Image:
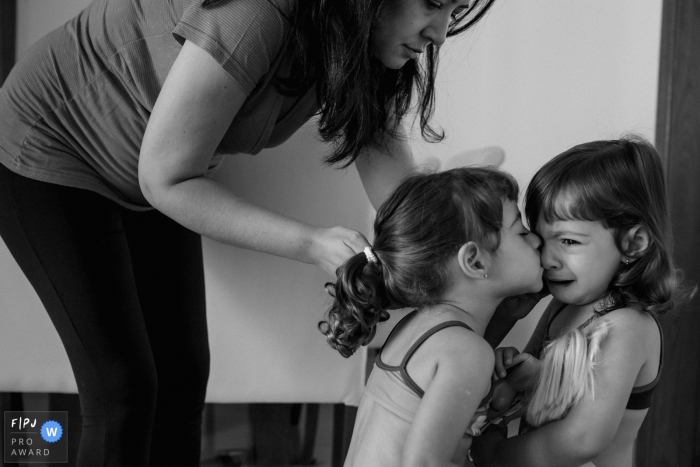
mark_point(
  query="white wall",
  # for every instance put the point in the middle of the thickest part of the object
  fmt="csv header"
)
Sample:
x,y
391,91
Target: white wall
x,y
534,78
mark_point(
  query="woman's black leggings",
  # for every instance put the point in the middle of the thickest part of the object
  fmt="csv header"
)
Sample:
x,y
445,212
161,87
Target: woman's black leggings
x,y
125,291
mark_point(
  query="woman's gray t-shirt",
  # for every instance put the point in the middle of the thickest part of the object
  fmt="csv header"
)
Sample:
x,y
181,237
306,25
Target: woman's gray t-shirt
x,y
74,110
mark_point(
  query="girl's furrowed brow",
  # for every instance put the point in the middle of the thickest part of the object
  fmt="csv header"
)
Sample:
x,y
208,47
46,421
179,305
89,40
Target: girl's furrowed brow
x,y
559,233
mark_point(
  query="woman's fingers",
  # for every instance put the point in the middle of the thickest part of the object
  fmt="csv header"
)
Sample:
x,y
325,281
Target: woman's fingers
x,y
355,240
336,245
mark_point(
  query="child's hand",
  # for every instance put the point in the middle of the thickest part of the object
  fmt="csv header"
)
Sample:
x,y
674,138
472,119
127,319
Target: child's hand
x,y
502,398
504,360
514,372
522,371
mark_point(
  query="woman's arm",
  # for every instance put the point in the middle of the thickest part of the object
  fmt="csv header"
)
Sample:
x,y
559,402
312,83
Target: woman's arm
x,y
384,165
591,425
451,398
193,112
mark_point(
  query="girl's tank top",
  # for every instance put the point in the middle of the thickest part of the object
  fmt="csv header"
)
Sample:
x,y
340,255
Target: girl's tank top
x,y
388,408
641,396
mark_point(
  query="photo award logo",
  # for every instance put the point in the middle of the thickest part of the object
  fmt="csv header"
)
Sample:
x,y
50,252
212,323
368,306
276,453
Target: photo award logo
x,y
33,437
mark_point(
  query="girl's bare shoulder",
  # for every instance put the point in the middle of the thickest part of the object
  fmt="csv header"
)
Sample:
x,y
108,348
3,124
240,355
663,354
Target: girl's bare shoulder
x,y
633,329
631,319
461,346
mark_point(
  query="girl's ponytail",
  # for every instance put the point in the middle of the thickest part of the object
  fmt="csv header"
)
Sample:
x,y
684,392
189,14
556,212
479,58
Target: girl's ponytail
x,y
359,304
567,375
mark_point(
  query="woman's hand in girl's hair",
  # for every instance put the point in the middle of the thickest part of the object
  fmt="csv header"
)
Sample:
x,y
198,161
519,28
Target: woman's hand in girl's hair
x,y
332,247
195,108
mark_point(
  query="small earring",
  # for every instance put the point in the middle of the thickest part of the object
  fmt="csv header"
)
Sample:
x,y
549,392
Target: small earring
x,y
627,262
486,276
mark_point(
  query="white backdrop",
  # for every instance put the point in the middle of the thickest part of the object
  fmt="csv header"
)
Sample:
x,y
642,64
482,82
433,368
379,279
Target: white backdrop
x,y
533,78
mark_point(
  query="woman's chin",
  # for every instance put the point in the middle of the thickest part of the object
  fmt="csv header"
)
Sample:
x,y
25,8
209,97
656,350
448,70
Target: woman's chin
x,y
394,63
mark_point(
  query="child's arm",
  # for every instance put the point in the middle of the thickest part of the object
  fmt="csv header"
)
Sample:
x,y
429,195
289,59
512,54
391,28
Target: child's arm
x,y
508,313
461,381
515,371
505,355
522,370
591,425
514,367
540,333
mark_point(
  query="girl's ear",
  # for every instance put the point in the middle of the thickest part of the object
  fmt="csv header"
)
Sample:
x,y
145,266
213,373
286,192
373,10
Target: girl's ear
x,y
635,243
472,260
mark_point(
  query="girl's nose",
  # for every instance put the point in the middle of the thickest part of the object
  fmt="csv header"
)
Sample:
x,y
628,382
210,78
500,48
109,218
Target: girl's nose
x,y
548,259
534,241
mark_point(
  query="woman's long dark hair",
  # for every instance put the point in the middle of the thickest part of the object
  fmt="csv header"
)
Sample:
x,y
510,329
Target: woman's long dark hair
x,y
418,229
360,98
620,183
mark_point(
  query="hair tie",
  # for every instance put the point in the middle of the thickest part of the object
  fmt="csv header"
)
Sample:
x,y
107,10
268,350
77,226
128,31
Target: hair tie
x,y
371,257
